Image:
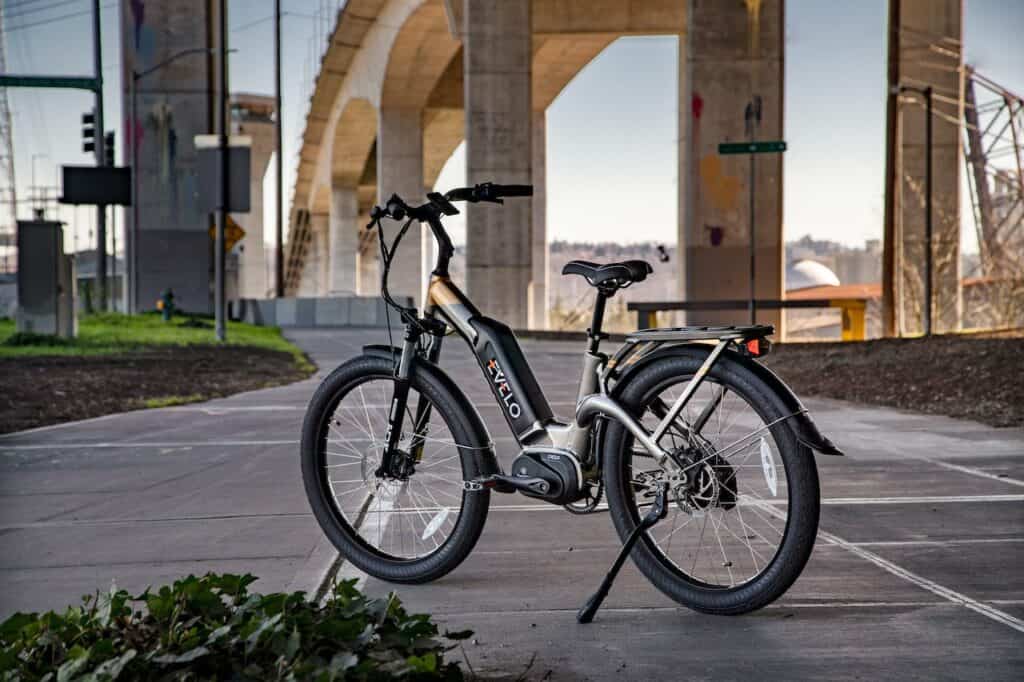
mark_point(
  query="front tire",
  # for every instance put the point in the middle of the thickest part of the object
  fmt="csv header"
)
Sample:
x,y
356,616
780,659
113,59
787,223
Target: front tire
x,y
413,530
740,532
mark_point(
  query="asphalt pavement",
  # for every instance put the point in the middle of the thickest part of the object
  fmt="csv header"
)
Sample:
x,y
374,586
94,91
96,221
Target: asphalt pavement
x,y
916,573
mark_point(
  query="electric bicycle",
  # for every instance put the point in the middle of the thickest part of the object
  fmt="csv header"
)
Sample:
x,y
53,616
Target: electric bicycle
x,y
704,455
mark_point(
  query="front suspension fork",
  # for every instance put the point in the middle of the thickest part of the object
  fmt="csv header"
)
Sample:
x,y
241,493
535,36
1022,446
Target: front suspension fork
x,y
400,401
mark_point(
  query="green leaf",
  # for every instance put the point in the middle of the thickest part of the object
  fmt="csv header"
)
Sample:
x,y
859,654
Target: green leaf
x,y
110,670
186,657
342,662
11,628
72,665
294,643
423,664
218,634
254,638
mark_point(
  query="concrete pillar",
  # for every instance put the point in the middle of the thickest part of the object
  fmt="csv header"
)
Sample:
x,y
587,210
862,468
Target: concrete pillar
x,y
369,264
343,241
314,274
321,241
538,298
400,171
920,23
732,51
498,148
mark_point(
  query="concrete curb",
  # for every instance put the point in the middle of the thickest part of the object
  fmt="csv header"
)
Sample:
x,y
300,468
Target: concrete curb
x,y
315,574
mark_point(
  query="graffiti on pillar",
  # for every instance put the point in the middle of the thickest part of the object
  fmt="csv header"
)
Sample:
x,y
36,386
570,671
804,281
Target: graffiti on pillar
x,y
697,106
715,234
167,148
723,189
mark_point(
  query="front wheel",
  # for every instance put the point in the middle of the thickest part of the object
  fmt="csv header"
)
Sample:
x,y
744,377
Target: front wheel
x,y
743,513
412,527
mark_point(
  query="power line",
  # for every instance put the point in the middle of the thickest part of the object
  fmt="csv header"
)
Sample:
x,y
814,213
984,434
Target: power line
x,y
25,3
34,10
14,29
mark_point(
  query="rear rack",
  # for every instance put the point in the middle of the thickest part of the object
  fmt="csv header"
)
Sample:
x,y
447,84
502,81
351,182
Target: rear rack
x,y
724,333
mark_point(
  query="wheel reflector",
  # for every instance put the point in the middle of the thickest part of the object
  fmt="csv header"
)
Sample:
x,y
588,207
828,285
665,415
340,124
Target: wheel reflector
x,y
768,466
435,523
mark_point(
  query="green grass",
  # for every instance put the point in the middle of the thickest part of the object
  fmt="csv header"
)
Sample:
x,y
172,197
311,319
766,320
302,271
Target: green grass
x,y
172,400
110,333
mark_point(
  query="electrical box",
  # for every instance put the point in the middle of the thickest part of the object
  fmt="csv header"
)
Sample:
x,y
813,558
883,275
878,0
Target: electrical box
x,y
46,280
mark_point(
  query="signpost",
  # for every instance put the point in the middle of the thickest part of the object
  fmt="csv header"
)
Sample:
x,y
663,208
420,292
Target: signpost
x,y
233,233
752,147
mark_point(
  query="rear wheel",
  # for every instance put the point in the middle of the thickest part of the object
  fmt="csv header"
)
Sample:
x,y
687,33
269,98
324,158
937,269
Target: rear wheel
x,y
743,511
410,528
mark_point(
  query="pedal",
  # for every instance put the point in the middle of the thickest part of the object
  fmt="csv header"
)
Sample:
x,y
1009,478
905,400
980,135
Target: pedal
x,y
657,512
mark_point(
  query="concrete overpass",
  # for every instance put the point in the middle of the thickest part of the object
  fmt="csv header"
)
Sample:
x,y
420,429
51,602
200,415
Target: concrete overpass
x,y
403,82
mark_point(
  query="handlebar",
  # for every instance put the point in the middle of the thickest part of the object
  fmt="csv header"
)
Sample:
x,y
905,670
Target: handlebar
x,y
489,191
430,213
397,209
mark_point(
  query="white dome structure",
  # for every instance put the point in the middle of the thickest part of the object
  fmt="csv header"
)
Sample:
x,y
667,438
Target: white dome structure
x,y
806,274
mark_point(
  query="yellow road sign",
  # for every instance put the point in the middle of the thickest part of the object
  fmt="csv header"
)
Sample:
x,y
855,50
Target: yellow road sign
x,y
233,234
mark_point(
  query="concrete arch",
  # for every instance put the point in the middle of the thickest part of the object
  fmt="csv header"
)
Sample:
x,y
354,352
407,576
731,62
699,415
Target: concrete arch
x,y
420,54
354,136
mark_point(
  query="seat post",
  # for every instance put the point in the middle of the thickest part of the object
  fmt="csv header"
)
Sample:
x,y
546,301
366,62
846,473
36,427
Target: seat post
x,y
594,333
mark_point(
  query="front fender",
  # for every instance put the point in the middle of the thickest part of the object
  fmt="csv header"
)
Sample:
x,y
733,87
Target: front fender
x,y
801,423
484,461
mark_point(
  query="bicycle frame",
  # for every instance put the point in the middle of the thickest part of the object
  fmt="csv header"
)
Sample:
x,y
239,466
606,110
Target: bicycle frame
x,y
447,301
520,396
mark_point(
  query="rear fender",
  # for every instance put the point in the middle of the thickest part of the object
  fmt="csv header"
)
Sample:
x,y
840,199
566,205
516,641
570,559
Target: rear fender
x,y
483,460
804,428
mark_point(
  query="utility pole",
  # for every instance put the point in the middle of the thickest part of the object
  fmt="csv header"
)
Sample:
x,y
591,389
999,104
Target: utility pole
x,y
101,210
279,227
225,181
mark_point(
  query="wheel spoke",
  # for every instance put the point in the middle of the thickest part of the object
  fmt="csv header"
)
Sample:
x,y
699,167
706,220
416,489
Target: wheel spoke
x,y
407,518
721,531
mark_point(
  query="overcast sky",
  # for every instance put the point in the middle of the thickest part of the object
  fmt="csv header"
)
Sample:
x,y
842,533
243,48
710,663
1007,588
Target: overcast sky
x,y
611,134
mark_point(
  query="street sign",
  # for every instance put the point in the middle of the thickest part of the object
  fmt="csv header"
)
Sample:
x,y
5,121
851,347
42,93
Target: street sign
x,y
752,147
99,185
233,234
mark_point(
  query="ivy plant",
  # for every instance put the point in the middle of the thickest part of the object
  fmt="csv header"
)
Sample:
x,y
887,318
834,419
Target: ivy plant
x,y
213,628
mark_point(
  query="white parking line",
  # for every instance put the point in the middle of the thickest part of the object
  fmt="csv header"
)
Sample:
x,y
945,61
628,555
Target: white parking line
x,y
940,543
926,499
926,584
974,472
911,577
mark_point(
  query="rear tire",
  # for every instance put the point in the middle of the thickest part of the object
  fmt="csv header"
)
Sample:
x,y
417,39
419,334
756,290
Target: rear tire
x,y
347,531
768,578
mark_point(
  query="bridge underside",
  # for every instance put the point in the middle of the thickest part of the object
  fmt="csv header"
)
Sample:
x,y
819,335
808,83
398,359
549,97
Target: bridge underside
x,y
404,82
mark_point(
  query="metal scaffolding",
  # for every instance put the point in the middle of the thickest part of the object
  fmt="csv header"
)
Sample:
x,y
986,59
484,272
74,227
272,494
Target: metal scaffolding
x,y
994,153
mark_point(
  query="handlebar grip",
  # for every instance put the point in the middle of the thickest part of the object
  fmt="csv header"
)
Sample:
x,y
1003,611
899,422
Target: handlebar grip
x,y
461,194
513,190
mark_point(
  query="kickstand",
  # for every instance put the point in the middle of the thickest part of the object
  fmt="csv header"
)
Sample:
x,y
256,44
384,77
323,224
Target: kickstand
x,y
658,511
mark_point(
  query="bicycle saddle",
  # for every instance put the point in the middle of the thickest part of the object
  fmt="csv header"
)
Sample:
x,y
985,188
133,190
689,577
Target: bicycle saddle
x,y
614,274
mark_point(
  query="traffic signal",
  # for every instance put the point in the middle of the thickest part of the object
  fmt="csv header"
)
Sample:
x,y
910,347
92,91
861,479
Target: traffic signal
x,y
89,132
108,149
